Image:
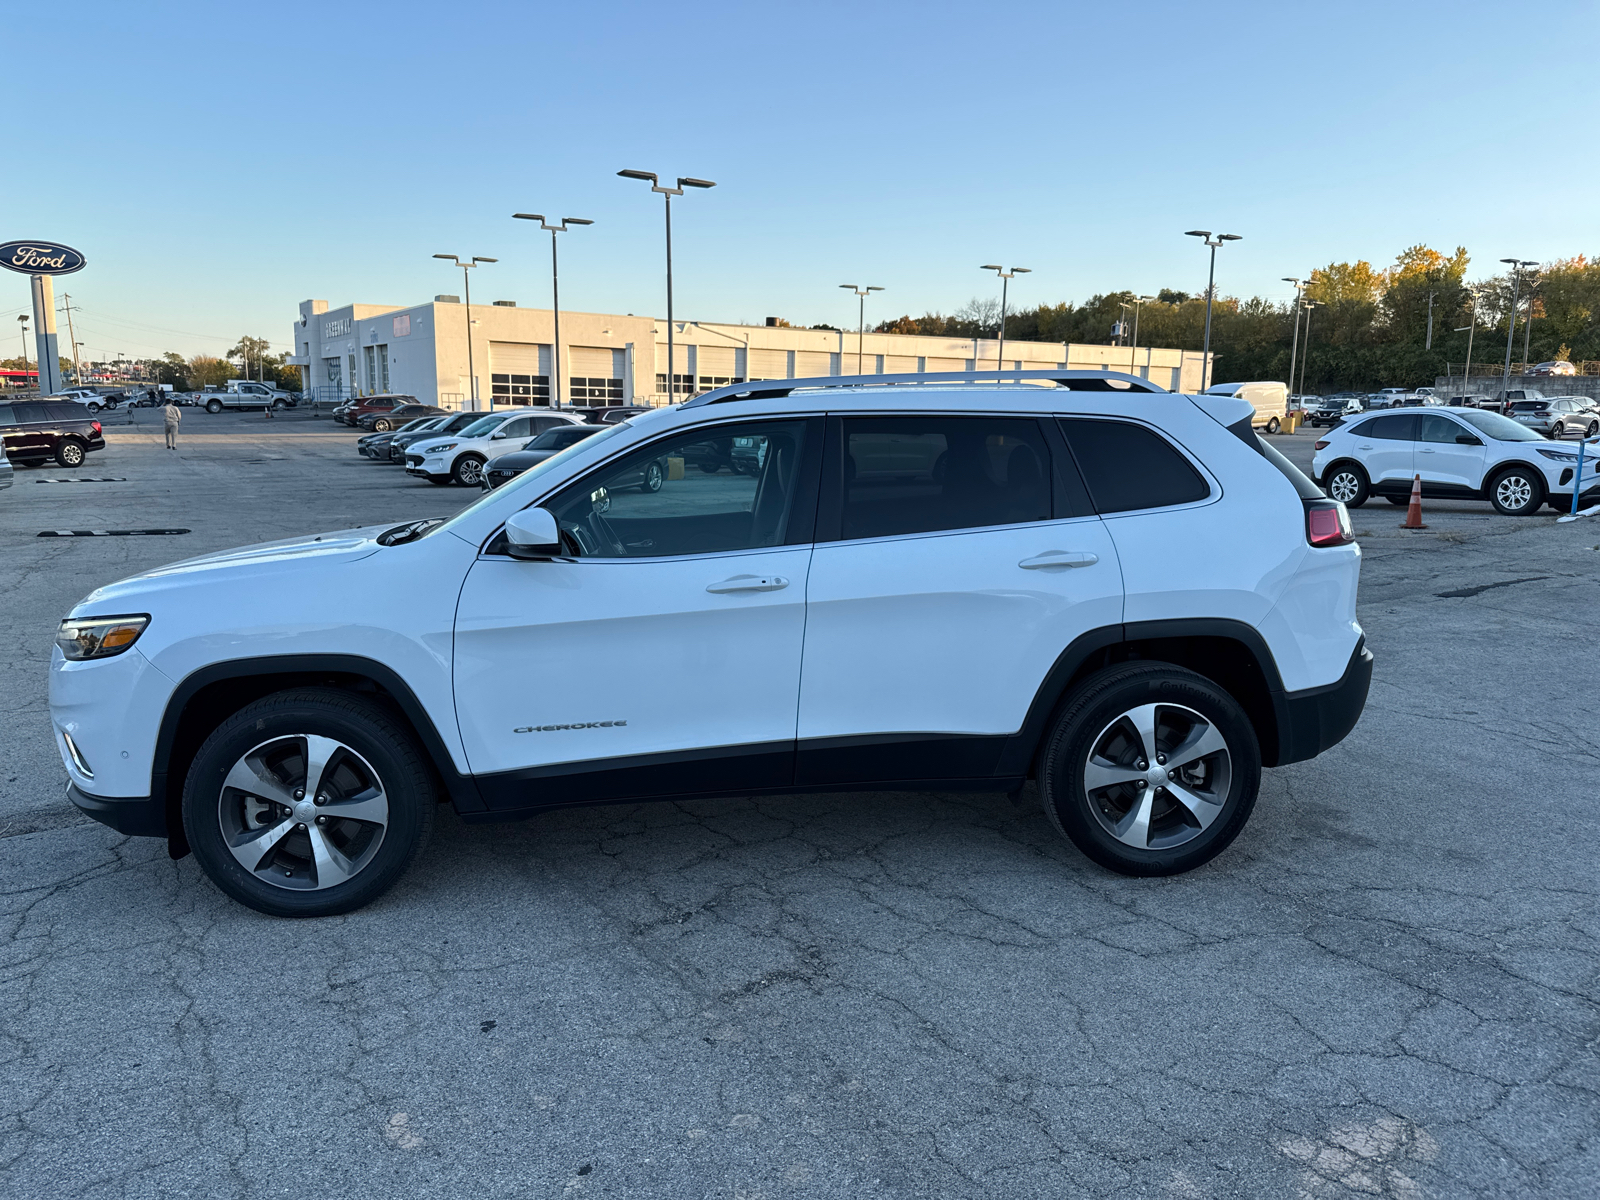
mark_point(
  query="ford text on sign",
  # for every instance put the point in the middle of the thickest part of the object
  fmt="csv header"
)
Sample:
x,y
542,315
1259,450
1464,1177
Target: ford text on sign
x,y
40,258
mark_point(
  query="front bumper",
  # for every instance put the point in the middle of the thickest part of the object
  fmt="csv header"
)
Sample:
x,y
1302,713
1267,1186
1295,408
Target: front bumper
x,y
1318,719
136,816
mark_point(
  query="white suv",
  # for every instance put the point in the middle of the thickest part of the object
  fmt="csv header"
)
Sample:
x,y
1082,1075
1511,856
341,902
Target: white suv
x,y
1459,454
1122,593
459,457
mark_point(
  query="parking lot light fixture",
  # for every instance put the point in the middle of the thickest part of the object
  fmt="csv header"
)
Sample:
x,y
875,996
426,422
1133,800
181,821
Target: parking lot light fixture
x,y
22,327
1211,288
1299,299
555,294
668,193
861,317
1138,303
1469,329
1516,265
466,267
1308,305
1005,280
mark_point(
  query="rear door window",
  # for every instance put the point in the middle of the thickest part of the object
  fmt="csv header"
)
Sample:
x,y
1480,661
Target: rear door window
x,y
1402,427
905,475
1129,467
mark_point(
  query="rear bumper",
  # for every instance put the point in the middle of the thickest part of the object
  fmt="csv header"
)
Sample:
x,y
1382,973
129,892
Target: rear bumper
x,y
1318,719
136,816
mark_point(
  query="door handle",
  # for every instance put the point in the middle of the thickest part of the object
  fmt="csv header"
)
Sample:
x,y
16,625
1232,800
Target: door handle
x,y
1420,451
1059,558
749,583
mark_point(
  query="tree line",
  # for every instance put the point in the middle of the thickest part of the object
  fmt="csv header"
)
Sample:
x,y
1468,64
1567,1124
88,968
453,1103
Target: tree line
x,y
1368,328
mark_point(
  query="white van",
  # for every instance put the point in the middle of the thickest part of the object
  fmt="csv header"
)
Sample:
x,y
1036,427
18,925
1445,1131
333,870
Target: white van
x,y
1270,400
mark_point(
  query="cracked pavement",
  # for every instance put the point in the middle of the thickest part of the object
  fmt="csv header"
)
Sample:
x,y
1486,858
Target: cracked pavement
x,y
1386,987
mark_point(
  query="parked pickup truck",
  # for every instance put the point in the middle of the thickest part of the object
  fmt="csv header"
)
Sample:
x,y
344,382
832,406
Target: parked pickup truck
x,y
247,393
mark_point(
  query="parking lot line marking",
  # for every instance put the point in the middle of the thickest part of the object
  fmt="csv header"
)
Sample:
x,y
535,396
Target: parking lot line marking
x,y
51,533
86,479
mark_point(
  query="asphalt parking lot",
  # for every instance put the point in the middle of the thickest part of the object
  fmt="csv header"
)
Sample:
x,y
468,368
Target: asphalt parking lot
x,y
1387,987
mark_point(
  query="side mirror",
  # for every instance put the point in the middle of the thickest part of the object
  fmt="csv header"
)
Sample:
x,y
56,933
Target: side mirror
x,y
1467,439
533,533
497,435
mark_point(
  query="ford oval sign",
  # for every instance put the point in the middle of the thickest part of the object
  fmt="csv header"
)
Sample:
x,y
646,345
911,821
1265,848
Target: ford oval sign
x,y
34,257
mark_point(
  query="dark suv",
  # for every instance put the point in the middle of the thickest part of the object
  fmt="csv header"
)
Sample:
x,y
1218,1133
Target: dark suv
x,y
35,430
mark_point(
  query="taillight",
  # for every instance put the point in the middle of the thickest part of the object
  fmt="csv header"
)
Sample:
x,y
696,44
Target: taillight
x,y
96,425
1320,445
1328,523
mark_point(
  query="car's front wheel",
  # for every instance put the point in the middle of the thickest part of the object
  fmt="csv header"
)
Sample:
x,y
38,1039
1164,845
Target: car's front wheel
x,y
381,426
308,803
1150,769
653,476
70,452
468,470
1347,483
1516,492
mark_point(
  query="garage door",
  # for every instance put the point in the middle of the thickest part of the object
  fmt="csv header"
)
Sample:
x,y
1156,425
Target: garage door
x,y
519,373
769,364
597,373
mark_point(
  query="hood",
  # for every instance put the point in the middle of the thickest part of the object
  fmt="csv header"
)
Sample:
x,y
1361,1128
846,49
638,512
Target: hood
x,y
265,559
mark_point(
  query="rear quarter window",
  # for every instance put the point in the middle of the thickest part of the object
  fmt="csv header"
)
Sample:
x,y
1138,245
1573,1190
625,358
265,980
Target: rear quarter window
x,y
1128,467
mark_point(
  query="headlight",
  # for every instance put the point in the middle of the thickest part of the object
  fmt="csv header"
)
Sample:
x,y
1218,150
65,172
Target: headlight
x,y
440,448
1559,455
99,637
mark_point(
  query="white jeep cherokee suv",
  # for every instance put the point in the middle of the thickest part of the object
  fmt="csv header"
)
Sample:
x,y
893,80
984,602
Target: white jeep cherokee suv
x,y
1459,454
1122,593
459,457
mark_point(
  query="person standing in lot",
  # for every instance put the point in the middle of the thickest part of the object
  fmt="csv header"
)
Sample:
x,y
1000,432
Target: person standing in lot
x,y
173,416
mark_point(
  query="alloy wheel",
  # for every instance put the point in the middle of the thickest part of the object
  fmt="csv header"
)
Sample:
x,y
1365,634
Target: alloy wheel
x,y
1514,492
470,472
1344,486
303,812
1158,776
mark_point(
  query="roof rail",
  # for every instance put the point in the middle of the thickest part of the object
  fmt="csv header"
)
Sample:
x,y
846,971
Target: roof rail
x,y
1076,381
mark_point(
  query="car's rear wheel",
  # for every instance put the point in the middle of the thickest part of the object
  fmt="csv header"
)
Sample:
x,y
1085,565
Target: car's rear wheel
x,y
468,470
1557,430
1347,483
1399,501
1273,426
70,452
653,477
1150,769
214,407
308,803
1516,492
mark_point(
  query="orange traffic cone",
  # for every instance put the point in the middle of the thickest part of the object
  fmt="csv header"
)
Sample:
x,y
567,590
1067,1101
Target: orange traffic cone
x,y
1414,513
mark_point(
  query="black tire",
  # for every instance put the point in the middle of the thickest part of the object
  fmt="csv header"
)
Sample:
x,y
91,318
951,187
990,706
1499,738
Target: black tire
x,y
93,407
1516,492
378,741
380,426
1593,430
441,480
1089,718
654,476
1355,484
1557,430
710,468
1399,501
1273,426
279,405
71,452
213,407
467,470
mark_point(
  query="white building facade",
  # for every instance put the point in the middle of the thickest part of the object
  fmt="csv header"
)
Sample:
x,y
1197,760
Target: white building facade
x,y
500,354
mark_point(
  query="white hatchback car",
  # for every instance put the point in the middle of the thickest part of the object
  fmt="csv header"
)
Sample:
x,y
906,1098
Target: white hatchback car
x,y
459,457
1459,454
1122,593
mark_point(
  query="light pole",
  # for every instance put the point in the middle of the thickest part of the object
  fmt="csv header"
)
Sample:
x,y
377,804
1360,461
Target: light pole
x,y
1308,305
1472,325
653,180
22,328
466,279
1511,328
555,288
1299,300
1005,282
1211,280
861,317
1138,303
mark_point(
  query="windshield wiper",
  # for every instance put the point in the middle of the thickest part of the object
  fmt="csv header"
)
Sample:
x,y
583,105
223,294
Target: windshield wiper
x,y
409,532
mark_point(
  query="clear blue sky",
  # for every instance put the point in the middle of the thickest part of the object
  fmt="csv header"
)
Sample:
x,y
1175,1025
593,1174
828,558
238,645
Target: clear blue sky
x,y
219,163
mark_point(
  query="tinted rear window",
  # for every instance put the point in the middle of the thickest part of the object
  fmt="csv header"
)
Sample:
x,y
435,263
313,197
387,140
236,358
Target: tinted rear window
x,y
1129,467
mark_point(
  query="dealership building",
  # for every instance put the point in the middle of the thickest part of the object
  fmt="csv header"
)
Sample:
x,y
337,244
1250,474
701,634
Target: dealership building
x,y
501,354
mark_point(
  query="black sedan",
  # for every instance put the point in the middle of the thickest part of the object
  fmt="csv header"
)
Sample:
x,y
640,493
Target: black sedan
x,y
551,442
376,445
452,423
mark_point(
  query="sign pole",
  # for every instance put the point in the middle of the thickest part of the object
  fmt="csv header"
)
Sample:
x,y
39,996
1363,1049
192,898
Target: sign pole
x,y
44,332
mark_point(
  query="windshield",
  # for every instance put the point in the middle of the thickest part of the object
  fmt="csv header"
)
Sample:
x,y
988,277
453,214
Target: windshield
x,y
601,433
419,423
479,428
1501,429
